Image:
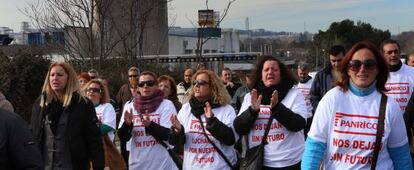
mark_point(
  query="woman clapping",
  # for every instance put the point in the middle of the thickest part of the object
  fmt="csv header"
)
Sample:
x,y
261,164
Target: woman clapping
x,y
204,125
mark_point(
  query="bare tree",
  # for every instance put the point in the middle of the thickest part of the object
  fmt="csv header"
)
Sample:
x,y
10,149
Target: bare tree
x,y
97,29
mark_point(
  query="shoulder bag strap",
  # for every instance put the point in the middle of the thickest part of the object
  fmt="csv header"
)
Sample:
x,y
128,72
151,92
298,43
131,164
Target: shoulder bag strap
x,y
269,123
215,146
380,131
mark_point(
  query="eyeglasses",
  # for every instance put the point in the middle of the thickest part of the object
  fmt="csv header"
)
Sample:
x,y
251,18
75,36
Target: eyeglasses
x,y
149,83
199,82
94,90
355,65
130,76
396,51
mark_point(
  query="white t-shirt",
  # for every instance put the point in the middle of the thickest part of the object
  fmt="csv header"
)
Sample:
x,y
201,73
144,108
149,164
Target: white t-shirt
x,y
106,115
401,85
347,124
199,153
145,151
284,148
305,89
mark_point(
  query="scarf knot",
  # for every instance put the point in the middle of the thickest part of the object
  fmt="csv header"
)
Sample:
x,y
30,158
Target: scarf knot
x,y
149,103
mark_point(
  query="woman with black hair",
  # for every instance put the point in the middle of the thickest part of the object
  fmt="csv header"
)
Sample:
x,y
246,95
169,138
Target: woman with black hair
x,y
274,99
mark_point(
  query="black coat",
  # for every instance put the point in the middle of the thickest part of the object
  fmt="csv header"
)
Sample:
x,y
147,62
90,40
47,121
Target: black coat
x,y
83,134
17,147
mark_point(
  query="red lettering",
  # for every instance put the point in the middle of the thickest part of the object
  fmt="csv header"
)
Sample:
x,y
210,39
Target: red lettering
x,y
336,157
204,160
356,159
401,100
341,143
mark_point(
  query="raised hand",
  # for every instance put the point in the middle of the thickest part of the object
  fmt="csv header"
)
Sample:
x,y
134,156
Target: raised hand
x,y
128,117
275,99
208,111
145,119
255,100
175,123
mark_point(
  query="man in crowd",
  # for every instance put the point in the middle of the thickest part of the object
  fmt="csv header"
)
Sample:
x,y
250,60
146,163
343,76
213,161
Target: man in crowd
x,y
238,97
304,85
183,88
226,77
18,149
400,83
125,94
93,74
410,60
325,79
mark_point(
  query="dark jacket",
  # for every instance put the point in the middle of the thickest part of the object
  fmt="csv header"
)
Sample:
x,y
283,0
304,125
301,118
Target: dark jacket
x,y
83,134
18,149
124,95
322,83
409,117
232,90
238,98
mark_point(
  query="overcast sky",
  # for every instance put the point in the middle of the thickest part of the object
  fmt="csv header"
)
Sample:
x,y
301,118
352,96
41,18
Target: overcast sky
x,y
274,15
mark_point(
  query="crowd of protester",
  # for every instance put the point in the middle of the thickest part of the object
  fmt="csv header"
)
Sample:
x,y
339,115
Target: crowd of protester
x,y
357,113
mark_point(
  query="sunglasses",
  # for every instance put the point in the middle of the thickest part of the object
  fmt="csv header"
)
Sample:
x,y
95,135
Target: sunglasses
x,y
130,76
355,65
94,90
199,82
392,51
149,83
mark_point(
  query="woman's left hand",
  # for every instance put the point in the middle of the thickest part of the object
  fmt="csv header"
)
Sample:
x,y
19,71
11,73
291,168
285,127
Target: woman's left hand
x,y
275,99
145,119
208,111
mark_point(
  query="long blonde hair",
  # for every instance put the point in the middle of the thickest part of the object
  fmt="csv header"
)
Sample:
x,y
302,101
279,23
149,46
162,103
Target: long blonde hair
x,y
72,85
219,92
105,93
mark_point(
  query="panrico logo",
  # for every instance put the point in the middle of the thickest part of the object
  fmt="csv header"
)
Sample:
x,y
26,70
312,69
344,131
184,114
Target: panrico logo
x,y
397,88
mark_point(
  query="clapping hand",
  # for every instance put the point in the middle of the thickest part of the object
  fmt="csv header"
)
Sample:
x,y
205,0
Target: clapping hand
x,y
208,111
145,119
175,123
128,117
255,100
275,99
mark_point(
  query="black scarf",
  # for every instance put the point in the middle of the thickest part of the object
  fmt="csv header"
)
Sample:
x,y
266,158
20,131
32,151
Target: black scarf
x,y
282,88
305,80
394,68
54,110
197,107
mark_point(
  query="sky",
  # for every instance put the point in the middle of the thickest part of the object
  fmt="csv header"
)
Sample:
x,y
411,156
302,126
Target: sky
x,y
274,15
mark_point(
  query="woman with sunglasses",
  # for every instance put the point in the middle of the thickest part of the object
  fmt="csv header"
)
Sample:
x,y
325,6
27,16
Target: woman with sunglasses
x,y
98,94
145,120
64,123
208,113
343,132
274,100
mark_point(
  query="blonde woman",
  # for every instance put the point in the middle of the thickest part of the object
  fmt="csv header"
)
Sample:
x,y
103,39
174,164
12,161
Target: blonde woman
x,y
98,94
208,113
65,124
